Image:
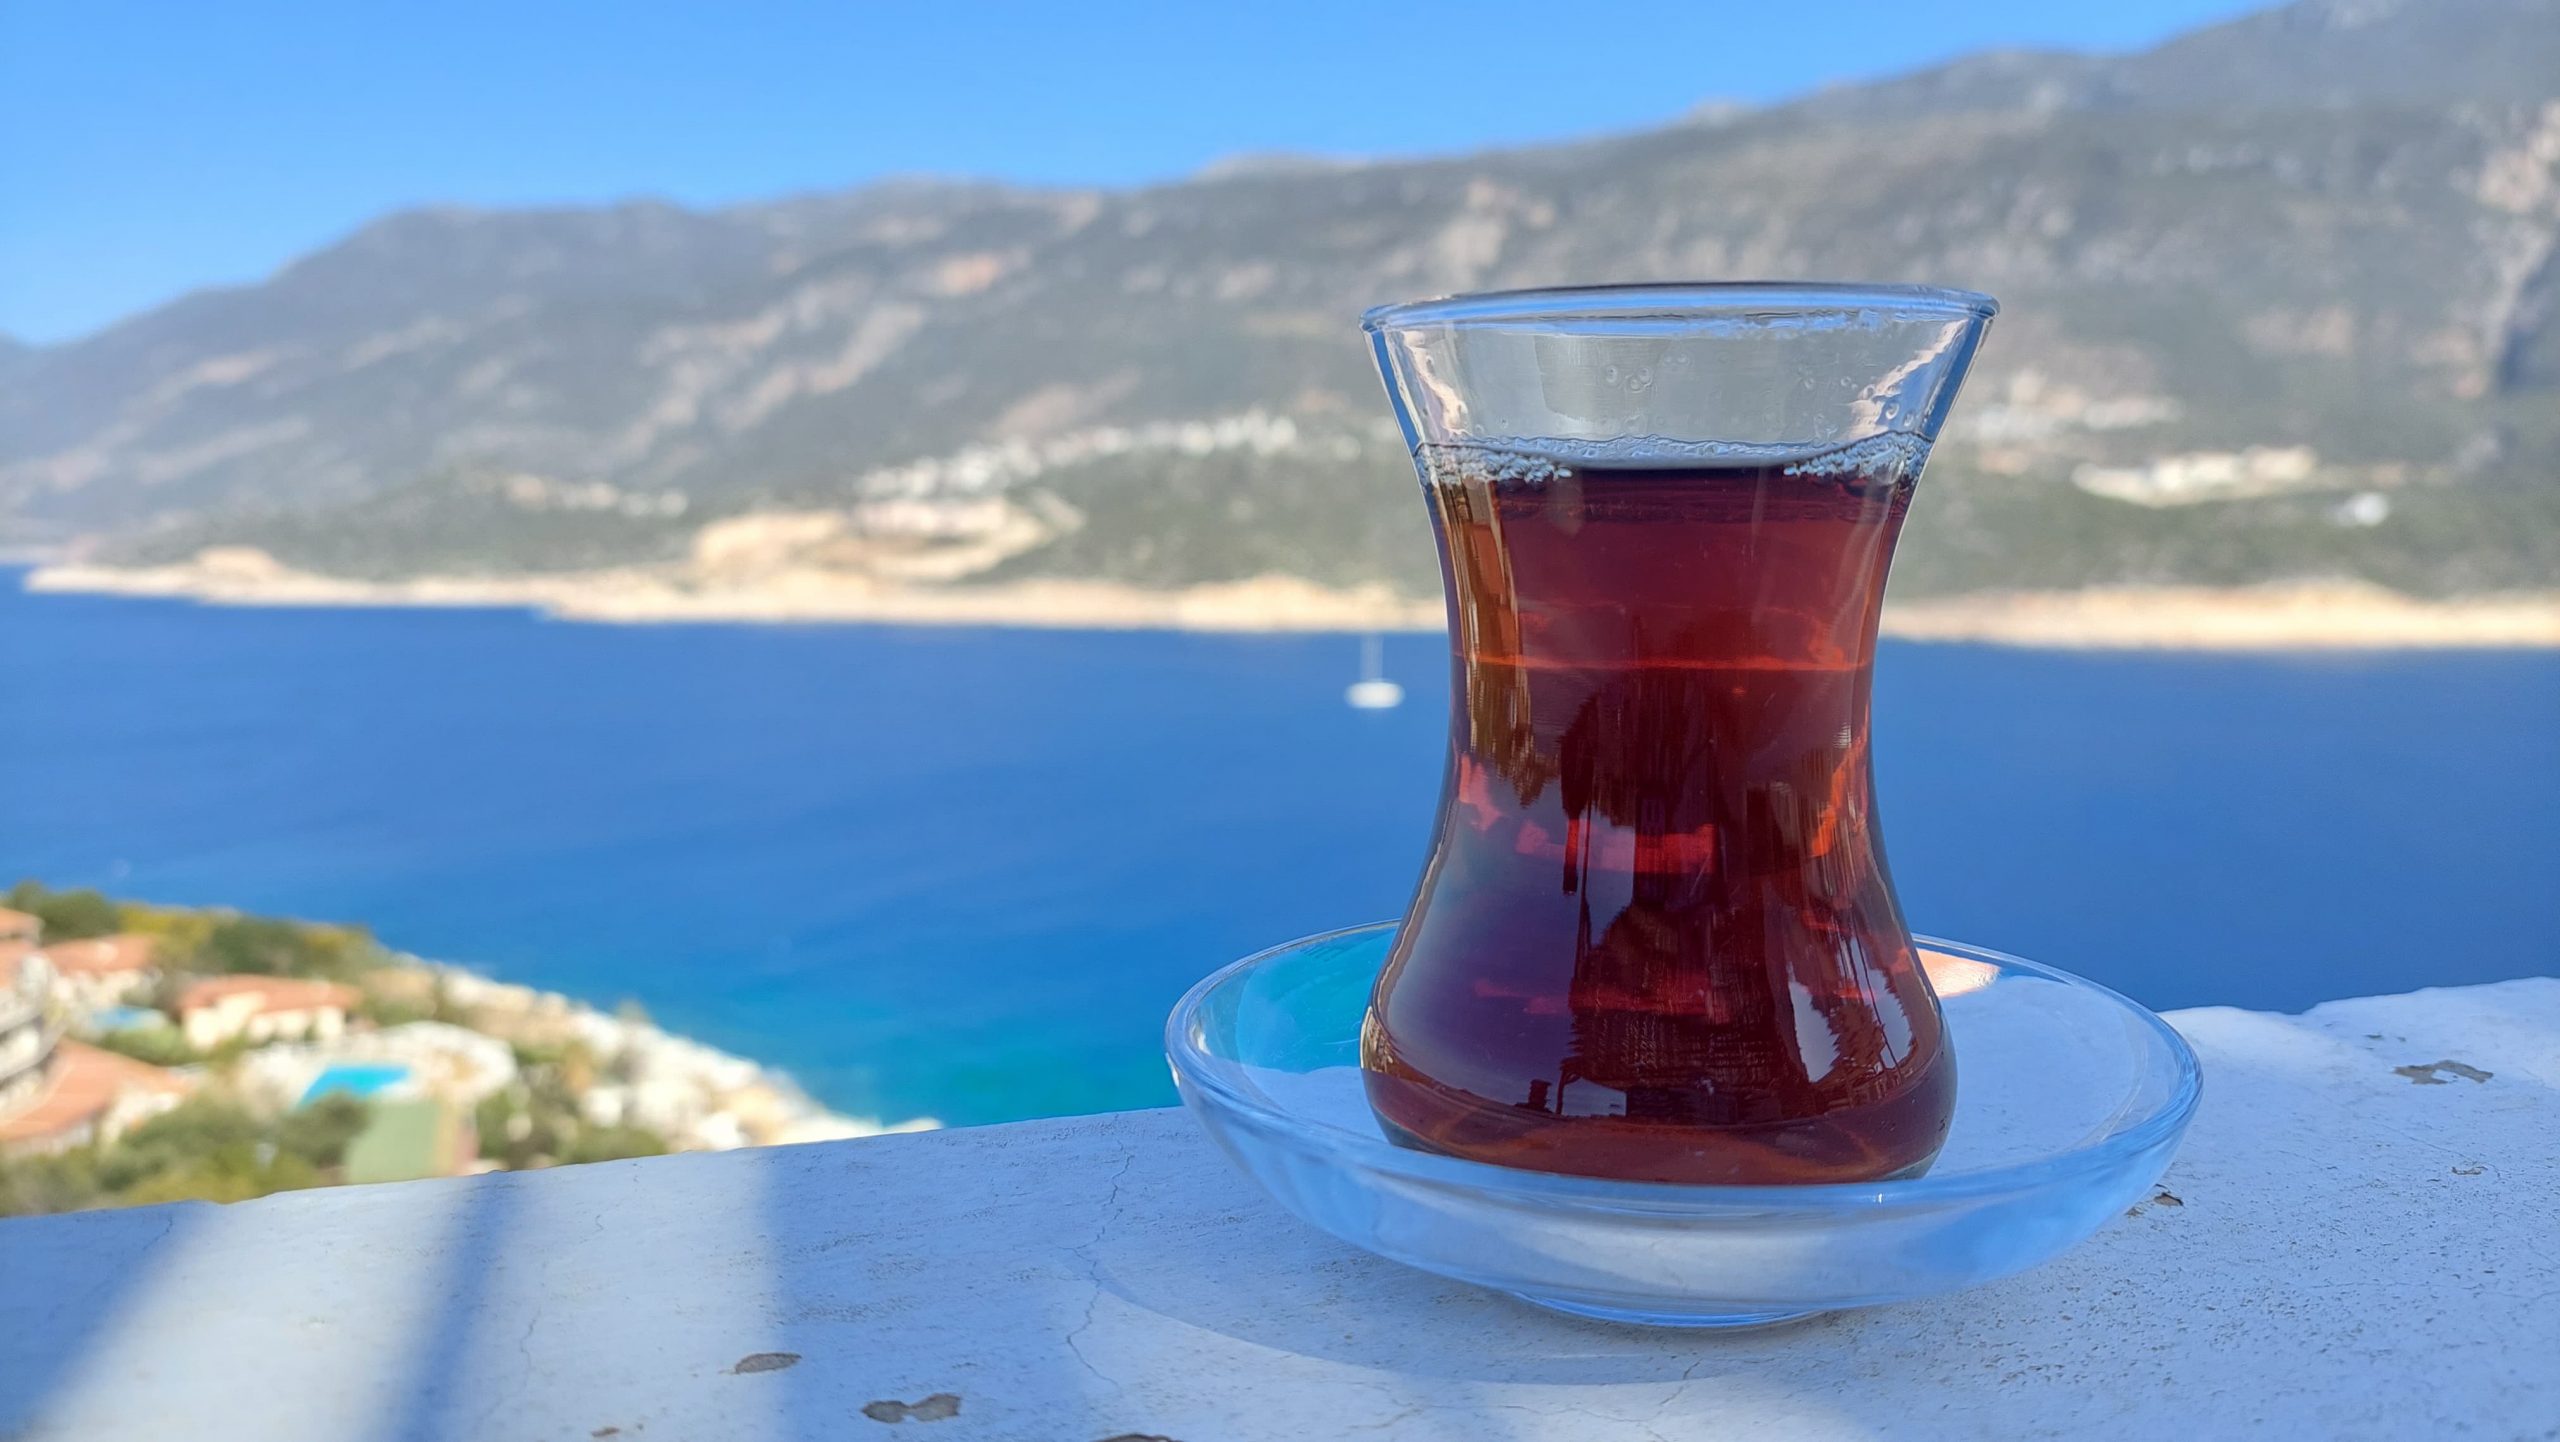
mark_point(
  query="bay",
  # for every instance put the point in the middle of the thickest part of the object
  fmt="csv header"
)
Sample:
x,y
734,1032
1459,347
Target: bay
x,y
963,873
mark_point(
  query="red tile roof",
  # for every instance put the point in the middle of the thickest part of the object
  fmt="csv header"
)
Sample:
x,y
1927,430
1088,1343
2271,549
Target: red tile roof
x,y
103,956
273,993
87,1080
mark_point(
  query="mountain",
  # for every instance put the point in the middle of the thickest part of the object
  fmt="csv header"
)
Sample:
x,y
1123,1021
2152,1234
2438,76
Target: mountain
x,y
2282,298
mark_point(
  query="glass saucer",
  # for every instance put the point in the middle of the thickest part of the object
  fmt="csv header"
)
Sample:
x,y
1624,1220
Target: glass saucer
x,y
2070,1100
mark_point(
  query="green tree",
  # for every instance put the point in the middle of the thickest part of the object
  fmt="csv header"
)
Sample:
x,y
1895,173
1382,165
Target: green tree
x,y
207,1149
612,1144
67,915
223,1177
319,1132
529,1124
389,1011
254,944
38,1186
268,946
162,1045
202,1133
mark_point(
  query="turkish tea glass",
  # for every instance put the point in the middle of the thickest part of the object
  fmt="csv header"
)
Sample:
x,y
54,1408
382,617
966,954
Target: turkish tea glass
x,y
1655,939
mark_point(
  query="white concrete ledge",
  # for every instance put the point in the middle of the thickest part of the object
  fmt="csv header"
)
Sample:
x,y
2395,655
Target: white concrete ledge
x,y
2352,1245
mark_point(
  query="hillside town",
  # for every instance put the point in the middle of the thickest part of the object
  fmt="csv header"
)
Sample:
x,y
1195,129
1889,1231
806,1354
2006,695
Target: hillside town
x,y
160,1054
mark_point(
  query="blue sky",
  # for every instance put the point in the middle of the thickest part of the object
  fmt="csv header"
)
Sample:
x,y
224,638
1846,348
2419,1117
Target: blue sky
x,y
149,149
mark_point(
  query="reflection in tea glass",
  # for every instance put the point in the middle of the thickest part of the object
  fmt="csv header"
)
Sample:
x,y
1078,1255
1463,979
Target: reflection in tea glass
x,y
1655,938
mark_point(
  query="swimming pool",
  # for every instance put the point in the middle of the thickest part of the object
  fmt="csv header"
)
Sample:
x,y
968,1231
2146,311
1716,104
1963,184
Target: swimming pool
x,y
113,1019
356,1079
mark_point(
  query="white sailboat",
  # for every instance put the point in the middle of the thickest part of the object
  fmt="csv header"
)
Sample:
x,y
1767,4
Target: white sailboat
x,y
1372,692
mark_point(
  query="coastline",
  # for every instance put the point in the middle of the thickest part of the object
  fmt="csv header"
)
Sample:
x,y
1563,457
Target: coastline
x,y
2308,615
708,1099
124,1012
635,597
2289,616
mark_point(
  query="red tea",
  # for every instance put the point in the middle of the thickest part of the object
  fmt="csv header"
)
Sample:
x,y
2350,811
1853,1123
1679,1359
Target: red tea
x,y
1656,939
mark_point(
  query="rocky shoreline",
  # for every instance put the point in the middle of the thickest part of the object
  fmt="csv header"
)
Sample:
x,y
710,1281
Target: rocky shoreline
x,y
698,1097
2311,615
1264,603
2293,616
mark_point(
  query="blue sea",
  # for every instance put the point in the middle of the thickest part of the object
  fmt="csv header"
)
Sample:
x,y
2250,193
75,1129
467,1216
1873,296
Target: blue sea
x,y
964,873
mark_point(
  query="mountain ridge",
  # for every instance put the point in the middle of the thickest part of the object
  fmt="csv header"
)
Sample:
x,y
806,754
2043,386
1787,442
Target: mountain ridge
x,y
2298,327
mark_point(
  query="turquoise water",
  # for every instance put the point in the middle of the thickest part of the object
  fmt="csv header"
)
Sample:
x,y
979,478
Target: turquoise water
x,y
126,1018
355,1079
963,873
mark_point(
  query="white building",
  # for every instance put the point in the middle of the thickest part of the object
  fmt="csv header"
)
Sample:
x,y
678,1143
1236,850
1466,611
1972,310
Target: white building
x,y
57,1094
102,971
263,1008
27,1029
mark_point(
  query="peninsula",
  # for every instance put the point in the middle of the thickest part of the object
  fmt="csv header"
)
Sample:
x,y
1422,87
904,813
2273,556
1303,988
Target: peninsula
x,y
2310,615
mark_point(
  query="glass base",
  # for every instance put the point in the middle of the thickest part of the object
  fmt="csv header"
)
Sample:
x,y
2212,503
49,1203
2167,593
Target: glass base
x,y
2070,1103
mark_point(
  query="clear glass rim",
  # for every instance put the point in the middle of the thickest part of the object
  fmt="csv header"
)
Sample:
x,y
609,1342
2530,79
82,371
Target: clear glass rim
x,y
1675,300
1194,1067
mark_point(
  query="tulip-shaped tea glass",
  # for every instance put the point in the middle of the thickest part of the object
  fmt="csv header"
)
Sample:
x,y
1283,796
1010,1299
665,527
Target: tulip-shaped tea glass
x,y
1656,939
1653,1041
